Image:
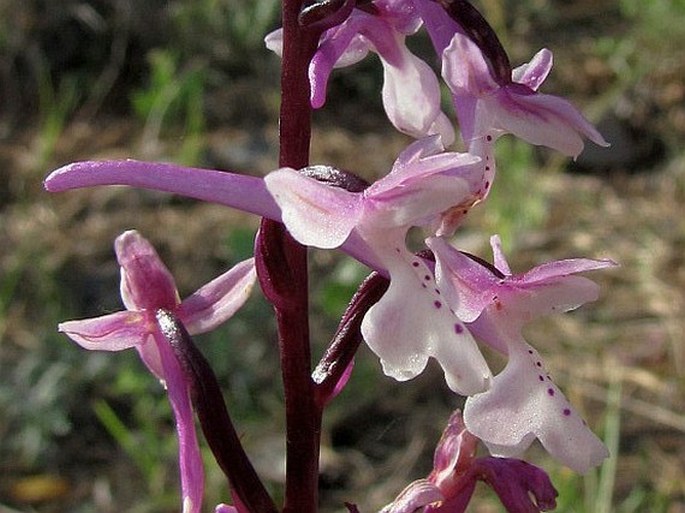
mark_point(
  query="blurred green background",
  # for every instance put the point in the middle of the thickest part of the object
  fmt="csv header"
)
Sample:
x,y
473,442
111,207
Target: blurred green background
x,y
190,82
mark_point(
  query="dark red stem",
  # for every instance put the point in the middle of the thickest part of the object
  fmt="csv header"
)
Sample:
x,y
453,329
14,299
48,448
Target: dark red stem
x,y
282,270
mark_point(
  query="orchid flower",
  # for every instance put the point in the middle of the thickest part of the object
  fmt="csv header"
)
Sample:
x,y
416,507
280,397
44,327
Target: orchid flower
x,y
488,107
150,297
411,93
523,402
522,488
411,322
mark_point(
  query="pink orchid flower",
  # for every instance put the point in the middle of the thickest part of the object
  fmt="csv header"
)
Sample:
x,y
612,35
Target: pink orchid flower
x,y
522,488
523,402
411,322
150,297
411,93
488,108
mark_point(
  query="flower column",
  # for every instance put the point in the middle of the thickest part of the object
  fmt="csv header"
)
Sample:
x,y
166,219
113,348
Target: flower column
x,y
282,272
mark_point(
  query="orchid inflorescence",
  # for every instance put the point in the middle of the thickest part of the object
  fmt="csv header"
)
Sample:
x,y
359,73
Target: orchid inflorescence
x,y
439,303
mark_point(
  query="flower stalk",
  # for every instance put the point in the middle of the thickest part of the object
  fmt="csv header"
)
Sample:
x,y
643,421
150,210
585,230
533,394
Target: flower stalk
x,y
282,271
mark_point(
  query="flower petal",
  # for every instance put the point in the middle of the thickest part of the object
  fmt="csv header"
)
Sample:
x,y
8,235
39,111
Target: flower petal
x,y
498,257
411,96
178,390
465,69
521,305
422,159
560,268
146,283
315,214
415,204
533,73
523,404
412,322
468,286
542,119
218,300
112,332
339,47
454,455
414,497
521,487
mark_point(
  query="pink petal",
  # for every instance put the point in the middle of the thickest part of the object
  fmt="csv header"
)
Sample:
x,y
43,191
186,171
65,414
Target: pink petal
x,y
465,70
454,455
414,204
416,151
190,461
521,304
560,268
149,354
146,283
534,73
414,497
218,300
421,160
499,259
340,46
467,285
542,119
315,214
413,322
522,487
112,332
411,95
523,404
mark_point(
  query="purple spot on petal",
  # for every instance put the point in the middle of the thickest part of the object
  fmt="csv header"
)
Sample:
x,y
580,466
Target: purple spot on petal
x,y
437,291
567,412
437,304
424,285
398,250
427,277
487,168
550,391
539,364
530,351
458,329
541,377
415,264
489,138
487,184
